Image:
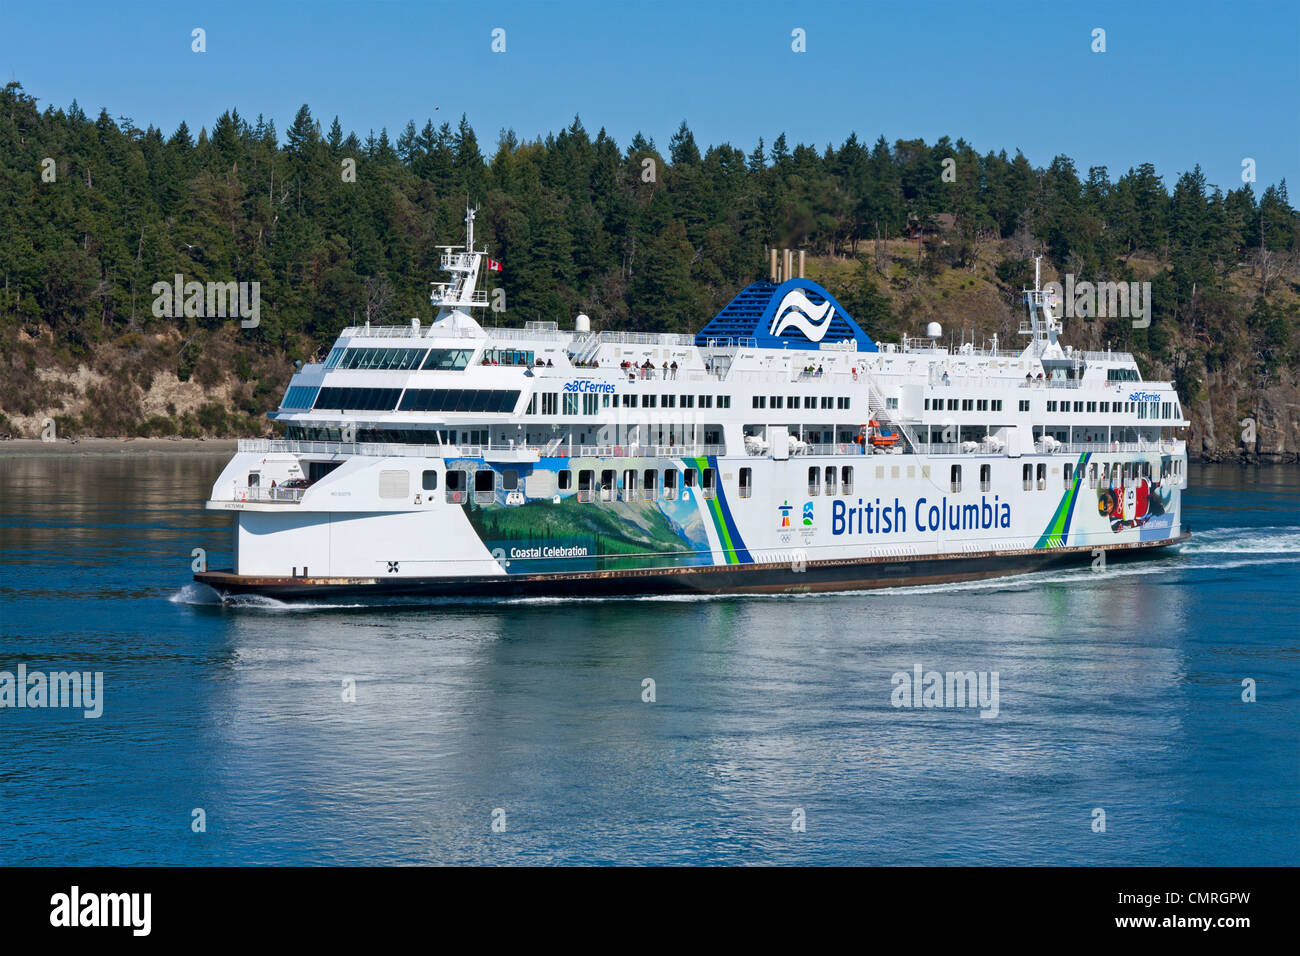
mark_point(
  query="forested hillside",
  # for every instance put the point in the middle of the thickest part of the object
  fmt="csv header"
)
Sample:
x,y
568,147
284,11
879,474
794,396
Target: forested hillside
x,y
634,236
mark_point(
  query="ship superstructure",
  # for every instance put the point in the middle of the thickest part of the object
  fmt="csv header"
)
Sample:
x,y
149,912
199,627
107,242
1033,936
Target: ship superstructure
x,y
780,448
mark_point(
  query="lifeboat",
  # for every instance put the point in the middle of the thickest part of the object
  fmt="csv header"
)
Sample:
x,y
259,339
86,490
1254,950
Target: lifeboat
x,y
880,438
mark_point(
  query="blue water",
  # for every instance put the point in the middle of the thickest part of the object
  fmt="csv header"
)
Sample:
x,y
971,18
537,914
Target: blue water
x,y
1119,691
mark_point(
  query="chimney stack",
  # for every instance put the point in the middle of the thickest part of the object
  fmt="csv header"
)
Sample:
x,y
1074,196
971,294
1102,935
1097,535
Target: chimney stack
x,y
789,264
774,268
801,263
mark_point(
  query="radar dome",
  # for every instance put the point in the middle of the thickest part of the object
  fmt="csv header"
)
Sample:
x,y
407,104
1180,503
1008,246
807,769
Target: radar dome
x,y
933,331
582,323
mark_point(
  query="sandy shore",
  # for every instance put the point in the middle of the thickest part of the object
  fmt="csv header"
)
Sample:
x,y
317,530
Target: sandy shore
x,y
92,447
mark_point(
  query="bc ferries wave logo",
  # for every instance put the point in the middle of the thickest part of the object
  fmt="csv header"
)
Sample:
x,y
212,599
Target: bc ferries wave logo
x,y
797,311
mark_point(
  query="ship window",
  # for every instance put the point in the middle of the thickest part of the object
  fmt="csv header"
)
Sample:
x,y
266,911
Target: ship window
x,y
746,482
760,401
629,484
1027,474
1078,406
830,480
485,480
792,401
809,401
1105,407
724,401
1051,406
585,479
826,401
986,477
1042,477
709,482
590,404
778,401
814,480
429,480
952,404
299,396
846,480
358,399
690,477
956,477
607,478
982,405
566,479
706,401
447,359
1067,476
966,404
532,405
670,401
997,404
688,401
456,483
649,480
550,403
649,401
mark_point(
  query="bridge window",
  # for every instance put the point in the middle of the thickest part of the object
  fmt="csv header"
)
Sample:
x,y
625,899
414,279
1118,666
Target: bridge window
x,y
358,399
299,396
462,400
379,358
447,359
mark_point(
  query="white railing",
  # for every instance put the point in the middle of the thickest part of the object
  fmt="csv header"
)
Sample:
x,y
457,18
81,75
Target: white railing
x,y
649,451
277,495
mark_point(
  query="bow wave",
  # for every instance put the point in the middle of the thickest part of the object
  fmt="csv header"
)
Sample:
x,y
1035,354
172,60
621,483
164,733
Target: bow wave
x,y
798,311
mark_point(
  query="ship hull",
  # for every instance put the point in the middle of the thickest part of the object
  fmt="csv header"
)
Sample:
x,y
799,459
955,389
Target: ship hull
x,y
784,578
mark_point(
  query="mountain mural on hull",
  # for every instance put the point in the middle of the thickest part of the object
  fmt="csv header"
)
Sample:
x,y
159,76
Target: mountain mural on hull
x,y
559,533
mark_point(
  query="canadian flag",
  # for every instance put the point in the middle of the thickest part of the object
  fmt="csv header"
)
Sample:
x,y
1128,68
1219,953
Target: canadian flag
x,y
493,266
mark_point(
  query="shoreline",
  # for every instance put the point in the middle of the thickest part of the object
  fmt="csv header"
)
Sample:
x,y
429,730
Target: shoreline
x,y
102,447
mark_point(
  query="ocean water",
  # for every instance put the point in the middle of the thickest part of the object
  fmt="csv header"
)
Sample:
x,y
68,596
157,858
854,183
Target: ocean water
x,y
1118,692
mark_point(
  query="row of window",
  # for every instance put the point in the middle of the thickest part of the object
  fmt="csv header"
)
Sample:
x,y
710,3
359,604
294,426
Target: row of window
x,y
390,359
843,477
809,401
548,403
1150,410
969,405
458,400
415,399
629,485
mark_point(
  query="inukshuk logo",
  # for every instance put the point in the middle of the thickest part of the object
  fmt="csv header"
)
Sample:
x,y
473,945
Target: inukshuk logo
x,y
798,311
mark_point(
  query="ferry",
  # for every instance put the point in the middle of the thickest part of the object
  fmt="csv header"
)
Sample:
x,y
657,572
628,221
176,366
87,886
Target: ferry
x,y
778,450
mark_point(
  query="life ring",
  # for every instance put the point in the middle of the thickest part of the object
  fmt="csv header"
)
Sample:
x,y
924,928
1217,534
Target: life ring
x,y
618,451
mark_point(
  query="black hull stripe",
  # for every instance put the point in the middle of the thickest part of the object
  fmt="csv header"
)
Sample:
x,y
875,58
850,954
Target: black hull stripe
x,y
842,575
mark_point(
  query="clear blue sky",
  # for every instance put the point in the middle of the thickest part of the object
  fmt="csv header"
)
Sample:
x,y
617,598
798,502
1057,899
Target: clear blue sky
x,y
1180,83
